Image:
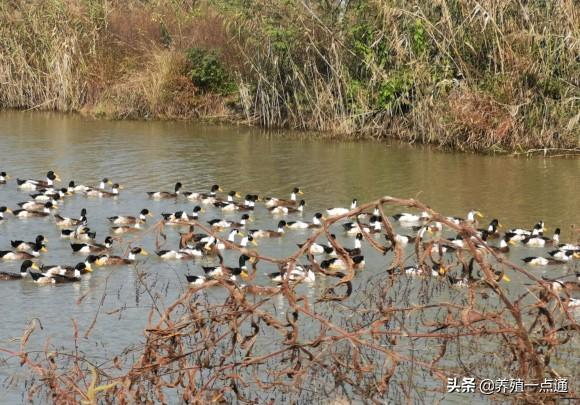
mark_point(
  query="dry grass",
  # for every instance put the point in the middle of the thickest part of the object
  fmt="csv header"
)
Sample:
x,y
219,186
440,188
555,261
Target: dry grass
x,y
44,55
157,90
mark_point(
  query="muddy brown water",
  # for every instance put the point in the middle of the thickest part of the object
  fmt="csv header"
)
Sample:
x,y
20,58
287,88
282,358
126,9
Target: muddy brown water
x,y
144,156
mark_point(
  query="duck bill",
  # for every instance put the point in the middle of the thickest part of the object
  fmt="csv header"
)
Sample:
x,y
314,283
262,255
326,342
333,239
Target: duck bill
x,y
144,252
478,214
506,278
89,268
300,192
35,266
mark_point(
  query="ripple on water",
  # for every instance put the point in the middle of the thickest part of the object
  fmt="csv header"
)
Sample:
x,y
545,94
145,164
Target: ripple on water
x,y
146,156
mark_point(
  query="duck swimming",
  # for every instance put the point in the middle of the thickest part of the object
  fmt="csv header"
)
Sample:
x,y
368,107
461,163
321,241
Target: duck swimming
x,y
315,224
229,272
106,260
543,261
297,275
27,264
181,254
258,233
181,217
230,198
336,263
541,241
94,191
195,280
128,220
4,210
519,234
122,229
3,177
68,271
24,213
40,278
436,270
200,196
49,195
93,248
37,206
564,255
247,240
79,233
334,212
160,195
224,224
249,203
24,246
374,226
316,249
408,220
272,202
356,249
470,218
21,255
110,194
285,210
492,229
504,245
66,221
31,184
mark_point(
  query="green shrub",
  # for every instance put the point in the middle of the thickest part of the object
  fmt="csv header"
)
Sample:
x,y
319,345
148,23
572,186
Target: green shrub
x,y
393,92
207,72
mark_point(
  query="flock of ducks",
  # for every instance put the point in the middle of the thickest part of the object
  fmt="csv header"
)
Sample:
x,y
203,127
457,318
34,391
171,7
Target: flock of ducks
x,y
45,199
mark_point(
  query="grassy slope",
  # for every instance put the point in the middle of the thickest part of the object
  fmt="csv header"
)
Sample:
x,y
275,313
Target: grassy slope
x,y
473,75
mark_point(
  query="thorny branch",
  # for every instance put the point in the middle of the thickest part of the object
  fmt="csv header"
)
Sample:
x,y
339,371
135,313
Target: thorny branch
x,y
240,348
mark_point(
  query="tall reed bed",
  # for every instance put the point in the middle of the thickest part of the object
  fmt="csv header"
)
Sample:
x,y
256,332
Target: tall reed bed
x,y
45,51
467,74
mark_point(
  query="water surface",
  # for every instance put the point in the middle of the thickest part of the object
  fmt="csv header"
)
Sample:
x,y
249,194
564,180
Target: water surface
x,y
145,156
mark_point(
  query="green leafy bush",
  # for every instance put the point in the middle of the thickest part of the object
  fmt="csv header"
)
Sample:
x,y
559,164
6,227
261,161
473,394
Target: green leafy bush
x,y
207,72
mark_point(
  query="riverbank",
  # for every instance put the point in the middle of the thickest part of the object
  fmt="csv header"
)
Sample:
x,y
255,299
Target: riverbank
x,y
460,75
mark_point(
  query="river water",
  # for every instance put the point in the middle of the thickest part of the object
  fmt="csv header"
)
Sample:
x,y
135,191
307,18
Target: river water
x,y
145,156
